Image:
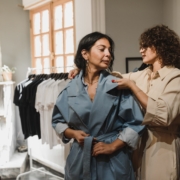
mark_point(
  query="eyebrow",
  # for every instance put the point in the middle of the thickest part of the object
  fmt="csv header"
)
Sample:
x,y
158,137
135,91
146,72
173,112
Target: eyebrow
x,y
103,45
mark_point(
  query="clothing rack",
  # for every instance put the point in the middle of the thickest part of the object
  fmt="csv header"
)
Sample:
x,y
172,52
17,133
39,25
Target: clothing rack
x,y
41,169
33,169
32,69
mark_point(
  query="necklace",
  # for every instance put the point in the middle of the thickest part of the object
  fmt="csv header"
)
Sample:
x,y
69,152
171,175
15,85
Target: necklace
x,y
91,83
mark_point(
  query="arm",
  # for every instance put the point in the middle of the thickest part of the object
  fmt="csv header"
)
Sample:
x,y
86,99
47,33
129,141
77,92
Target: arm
x,y
128,84
60,124
129,113
163,109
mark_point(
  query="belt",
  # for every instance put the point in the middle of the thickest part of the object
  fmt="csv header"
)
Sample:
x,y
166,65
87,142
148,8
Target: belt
x,y
87,153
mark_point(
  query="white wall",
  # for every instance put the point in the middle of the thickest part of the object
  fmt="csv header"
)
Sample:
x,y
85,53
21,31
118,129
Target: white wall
x,y
15,37
125,21
15,43
171,14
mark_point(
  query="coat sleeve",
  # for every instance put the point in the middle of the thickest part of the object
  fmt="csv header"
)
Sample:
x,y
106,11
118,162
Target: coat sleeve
x,y
164,109
131,115
60,116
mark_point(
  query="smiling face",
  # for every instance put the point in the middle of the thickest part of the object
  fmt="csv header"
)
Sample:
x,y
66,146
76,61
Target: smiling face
x,y
99,56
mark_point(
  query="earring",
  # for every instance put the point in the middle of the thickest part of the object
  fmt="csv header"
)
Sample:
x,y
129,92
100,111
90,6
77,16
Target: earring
x,y
87,63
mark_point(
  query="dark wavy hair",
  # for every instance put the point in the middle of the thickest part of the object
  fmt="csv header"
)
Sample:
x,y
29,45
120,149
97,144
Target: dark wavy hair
x,y
86,43
166,43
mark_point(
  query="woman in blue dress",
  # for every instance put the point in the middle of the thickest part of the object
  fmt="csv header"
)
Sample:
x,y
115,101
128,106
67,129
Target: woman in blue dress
x,y
104,122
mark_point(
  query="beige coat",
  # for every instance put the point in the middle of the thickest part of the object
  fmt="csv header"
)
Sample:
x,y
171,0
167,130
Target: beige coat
x,y
159,147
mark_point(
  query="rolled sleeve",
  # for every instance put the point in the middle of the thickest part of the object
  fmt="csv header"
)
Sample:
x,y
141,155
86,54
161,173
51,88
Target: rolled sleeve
x,y
163,106
130,137
60,128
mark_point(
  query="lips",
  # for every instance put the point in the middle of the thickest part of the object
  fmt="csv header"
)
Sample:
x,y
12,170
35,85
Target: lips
x,y
106,61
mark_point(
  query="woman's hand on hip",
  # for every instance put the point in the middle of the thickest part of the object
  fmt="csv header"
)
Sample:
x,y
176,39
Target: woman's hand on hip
x,y
102,148
80,136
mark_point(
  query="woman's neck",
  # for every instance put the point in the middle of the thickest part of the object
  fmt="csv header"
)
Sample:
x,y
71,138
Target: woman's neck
x,y
156,66
92,77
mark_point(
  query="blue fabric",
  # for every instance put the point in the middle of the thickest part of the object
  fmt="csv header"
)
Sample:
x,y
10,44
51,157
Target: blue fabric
x,y
105,118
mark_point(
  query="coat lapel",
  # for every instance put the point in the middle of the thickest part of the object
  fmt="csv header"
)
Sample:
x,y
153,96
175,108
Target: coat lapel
x,y
86,115
103,102
79,103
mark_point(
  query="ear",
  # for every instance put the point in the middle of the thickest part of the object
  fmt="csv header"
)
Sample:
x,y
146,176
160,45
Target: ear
x,y
153,49
84,54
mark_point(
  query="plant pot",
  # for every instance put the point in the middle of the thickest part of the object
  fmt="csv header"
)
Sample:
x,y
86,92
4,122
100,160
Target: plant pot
x,y
7,76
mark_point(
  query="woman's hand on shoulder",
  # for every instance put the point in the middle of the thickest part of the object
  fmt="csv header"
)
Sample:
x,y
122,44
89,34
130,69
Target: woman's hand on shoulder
x,y
116,74
123,83
73,73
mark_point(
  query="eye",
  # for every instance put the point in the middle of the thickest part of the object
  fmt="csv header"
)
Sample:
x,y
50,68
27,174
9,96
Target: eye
x,y
102,49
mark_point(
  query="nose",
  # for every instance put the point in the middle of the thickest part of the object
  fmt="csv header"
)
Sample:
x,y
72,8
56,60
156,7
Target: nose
x,y
141,49
107,53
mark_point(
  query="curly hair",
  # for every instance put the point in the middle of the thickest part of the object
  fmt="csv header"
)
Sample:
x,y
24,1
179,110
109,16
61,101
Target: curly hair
x,y
165,41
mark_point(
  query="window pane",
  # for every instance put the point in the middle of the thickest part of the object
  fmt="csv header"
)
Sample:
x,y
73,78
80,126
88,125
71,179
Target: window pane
x,y
38,66
58,17
45,21
69,41
45,42
37,23
37,46
59,61
47,69
68,13
59,42
70,63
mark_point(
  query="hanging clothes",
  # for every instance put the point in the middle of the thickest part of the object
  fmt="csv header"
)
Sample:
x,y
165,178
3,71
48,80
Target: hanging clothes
x,y
35,98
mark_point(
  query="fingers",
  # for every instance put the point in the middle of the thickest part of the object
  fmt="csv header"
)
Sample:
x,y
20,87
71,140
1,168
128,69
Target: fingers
x,y
115,80
71,74
98,148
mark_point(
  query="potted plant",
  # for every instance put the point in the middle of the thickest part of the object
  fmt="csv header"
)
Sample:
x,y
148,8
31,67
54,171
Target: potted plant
x,y
7,73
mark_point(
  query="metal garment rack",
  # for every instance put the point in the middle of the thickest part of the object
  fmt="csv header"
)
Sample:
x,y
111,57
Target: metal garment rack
x,y
33,169
41,169
32,69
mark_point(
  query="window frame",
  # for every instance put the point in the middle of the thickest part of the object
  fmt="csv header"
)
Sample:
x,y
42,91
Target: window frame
x,y
50,6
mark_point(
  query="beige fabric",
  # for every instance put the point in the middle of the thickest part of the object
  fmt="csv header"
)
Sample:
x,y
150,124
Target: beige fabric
x,y
159,145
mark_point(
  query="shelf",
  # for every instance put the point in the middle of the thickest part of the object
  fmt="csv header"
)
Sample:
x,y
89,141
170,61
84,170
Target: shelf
x,y
7,82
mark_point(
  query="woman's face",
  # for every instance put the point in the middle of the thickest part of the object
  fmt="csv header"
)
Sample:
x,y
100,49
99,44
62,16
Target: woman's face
x,y
99,56
149,55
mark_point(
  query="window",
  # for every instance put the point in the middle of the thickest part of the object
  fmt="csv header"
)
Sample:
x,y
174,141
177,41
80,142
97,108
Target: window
x,y
53,37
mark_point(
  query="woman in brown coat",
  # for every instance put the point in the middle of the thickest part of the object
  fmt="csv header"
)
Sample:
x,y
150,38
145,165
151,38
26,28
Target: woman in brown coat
x,y
158,90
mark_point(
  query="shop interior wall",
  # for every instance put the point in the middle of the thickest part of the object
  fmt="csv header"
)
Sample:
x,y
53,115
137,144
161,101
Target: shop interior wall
x,y
125,21
15,44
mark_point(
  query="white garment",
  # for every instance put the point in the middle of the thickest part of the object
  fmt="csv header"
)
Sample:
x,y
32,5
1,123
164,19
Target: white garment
x,y
46,95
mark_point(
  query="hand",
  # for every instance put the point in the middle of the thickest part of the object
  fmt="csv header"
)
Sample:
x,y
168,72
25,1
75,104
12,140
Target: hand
x,y
116,74
123,83
102,148
73,73
80,136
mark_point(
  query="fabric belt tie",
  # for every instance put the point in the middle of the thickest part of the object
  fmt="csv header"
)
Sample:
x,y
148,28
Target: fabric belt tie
x,y
87,152
87,158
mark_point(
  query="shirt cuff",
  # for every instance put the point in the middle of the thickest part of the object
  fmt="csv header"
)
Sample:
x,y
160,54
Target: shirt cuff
x,y
60,128
130,137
